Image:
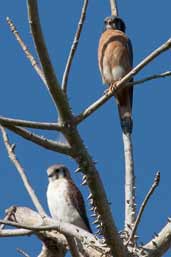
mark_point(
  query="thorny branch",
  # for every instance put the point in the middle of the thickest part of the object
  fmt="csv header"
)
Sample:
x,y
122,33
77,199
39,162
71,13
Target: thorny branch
x,y
74,46
150,192
41,141
160,243
83,158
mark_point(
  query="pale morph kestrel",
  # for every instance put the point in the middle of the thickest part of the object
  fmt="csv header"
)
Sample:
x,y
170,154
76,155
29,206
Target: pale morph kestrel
x,y
115,58
65,201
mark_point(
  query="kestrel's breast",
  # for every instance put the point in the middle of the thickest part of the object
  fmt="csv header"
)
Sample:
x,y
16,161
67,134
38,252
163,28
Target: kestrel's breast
x,y
60,203
113,55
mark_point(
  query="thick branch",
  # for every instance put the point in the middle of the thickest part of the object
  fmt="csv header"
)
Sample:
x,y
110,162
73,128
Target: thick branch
x,y
30,124
113,6
31,220
15,232
74,46
149,194
130,209
56,93
160,244
122,83
22,174
41,141
81,155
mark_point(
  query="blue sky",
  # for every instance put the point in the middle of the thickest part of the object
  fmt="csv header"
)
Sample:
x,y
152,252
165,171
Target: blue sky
x,y
24,96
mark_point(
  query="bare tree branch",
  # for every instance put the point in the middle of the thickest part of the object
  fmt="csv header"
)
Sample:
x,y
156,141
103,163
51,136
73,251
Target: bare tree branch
x,y
41,141
59,98
22,252
26,50
64,228
30,124
22,174
160,244
74,46
114,8
7,216
15,232
83,158
155,76
130,209
150,192
122,83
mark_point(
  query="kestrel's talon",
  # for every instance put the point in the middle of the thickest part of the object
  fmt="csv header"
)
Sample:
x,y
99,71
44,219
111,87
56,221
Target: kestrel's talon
x,y
112,89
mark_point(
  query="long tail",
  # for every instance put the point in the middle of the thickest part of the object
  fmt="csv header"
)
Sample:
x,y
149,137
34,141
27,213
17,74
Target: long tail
x,y
125,100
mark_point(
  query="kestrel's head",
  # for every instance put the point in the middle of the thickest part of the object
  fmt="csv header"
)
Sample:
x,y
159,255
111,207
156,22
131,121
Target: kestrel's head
x,y
114,22
57,171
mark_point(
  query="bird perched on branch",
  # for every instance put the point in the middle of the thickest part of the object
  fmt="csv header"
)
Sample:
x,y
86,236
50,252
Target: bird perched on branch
x,y
115,59
65,201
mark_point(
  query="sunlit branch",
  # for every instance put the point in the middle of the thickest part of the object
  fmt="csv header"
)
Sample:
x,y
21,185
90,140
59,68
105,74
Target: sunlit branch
x,y
74,46
114,8
41,141
30,124
26,50
143,205
122,83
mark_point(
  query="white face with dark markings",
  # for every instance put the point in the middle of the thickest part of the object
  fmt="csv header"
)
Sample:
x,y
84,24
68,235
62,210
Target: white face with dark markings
x,y
57,171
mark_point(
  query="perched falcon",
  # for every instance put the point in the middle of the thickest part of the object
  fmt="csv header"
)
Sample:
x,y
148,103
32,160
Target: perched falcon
x,y
65,201
115,59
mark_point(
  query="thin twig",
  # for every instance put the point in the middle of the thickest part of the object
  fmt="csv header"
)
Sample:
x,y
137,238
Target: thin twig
x,y
155,76
74,46
7,216
41,141
122,83
26,50
114,8
143,205
20,169
30,124
22,252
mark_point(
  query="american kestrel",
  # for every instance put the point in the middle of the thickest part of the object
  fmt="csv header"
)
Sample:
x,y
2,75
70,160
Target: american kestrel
x,y
115,59
64,199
